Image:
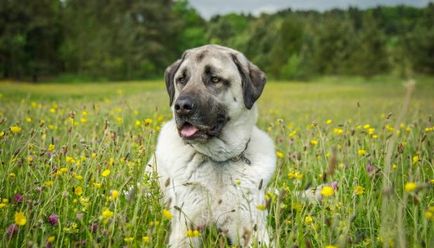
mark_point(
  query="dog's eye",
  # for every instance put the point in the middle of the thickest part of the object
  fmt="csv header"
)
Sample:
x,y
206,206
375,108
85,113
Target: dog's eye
x,y
181,80
215,79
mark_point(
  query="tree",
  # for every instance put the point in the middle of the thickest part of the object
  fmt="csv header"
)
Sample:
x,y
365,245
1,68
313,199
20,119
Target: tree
x,y
370,56
30,35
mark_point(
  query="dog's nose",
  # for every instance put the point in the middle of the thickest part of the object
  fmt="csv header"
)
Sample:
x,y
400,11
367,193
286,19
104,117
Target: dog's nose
x,y
184,105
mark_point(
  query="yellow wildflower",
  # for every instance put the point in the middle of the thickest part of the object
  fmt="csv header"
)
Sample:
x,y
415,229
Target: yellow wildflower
x,y
78,190
15,129
429,215
308,220
20,218
261,207
119,120
328,122
52,127
51,147
114,194
314,142
167,214
69,160
61,171
366,126
138,123
145,239
410,187
3,205
295,175
327,191
28,119
107,214
78,177
338,131
415,159
147,121
361,152
359,190
154,223
97,185
331,246
389,128
48,183
105,173
280,154
192,233
51,239
2,133
111,162
128,239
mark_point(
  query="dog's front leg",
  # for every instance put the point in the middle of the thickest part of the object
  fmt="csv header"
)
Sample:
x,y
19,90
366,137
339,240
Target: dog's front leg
x,y
246,229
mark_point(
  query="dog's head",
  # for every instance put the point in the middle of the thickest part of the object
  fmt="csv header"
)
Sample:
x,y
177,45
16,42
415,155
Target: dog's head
x,y
209,86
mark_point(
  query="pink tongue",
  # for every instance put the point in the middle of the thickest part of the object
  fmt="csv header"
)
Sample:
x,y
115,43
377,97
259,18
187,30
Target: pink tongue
x,y
188,131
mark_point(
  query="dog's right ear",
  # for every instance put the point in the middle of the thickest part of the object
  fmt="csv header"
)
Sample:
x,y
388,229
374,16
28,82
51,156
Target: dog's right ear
x,y
169,75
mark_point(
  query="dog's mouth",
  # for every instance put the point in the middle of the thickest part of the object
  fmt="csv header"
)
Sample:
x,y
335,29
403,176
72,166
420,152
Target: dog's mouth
x,y
196,132
188,130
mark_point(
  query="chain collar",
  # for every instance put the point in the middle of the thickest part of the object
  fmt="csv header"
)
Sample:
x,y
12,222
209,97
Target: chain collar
x,y
239,157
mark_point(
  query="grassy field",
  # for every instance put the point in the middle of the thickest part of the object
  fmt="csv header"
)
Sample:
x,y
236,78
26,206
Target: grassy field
x,y
68,153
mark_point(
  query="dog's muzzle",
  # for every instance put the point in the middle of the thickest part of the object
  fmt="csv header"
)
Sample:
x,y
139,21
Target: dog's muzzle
x,y
197,120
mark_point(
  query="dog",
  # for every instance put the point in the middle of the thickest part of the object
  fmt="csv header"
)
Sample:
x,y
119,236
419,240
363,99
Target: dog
x,y
212,162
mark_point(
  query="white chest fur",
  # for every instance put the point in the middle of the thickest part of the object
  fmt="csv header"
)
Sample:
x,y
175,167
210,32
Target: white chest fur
x,y
201,191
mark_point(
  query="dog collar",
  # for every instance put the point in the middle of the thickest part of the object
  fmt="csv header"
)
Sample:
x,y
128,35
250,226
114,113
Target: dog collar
x,y
239,157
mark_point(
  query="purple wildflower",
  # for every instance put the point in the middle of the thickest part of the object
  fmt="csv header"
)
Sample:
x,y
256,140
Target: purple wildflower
x,y
53,219
12,230
18,198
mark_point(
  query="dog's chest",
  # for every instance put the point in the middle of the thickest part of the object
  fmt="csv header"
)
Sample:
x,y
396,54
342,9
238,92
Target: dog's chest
x,y
217,177
213,183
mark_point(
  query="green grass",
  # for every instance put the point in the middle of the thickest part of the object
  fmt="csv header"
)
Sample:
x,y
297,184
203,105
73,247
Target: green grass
x,y
113,126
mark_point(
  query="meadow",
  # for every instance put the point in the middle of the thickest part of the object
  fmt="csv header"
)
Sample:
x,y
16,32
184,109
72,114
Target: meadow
x,y
70,153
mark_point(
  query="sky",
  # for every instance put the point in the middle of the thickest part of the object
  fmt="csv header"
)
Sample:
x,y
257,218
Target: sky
x,y
208,8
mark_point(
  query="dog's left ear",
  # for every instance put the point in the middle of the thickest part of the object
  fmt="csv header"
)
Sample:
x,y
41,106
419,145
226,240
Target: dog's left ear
x,y
253,81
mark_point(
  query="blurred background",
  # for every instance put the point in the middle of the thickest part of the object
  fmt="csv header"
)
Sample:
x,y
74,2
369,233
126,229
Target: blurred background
x,y
105,40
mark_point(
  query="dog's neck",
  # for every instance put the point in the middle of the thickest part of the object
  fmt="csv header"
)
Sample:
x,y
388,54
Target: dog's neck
x,y
233,140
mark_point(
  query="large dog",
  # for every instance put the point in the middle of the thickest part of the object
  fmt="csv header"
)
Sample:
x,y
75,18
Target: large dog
x,y
212,161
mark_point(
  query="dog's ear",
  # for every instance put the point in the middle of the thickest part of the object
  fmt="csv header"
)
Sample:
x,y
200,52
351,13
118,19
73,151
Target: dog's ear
x,y
169,78
169,75
252,79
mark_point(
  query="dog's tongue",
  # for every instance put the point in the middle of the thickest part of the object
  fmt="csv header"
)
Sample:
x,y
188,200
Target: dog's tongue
x,y
188,130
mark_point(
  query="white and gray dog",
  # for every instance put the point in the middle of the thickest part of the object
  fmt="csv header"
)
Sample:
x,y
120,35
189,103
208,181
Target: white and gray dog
x,y
213,163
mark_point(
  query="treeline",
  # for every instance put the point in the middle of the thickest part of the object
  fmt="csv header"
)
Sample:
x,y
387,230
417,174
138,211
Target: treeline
x,y
137,39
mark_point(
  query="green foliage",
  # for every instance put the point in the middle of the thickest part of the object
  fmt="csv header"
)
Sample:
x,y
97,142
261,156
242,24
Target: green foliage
x,y
124,40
